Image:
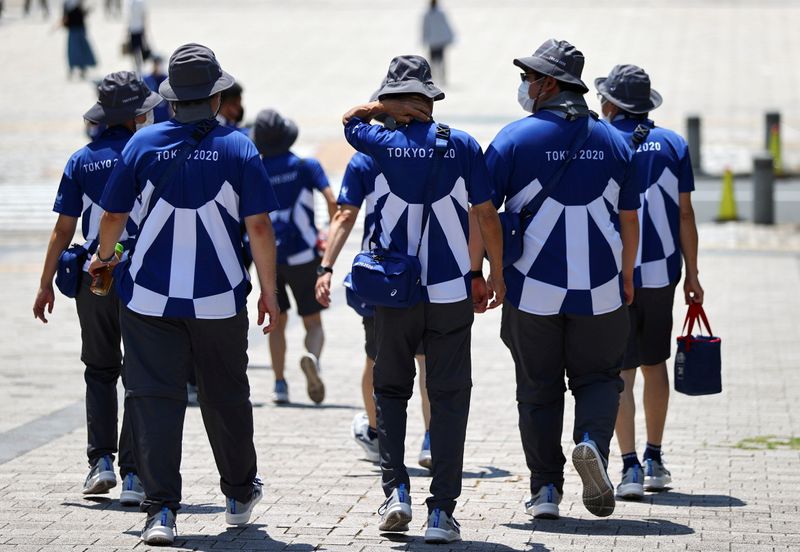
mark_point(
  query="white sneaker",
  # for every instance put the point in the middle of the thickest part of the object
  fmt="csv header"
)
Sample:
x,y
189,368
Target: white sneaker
x,y
309,364
631,488
132,493
360,431
598,493
656,476
238,513
396,511
544,504
160,528
425,458
101,477
442,529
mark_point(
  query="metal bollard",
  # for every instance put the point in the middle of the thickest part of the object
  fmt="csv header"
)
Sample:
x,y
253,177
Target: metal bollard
x,y
770,119
763,189
693,141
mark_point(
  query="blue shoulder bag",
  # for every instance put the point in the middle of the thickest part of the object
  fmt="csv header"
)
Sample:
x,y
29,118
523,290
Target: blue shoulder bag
x,y
70,269
514,225
387,278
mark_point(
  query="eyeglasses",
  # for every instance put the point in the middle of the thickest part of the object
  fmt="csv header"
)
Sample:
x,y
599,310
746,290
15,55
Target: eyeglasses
x,y
525,76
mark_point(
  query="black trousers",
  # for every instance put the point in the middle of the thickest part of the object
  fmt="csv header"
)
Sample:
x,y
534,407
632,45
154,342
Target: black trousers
x,y
589,350
160,352
101,354
445,332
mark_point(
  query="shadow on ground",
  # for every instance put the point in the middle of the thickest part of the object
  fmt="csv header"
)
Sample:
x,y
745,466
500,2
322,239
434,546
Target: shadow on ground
x,y
105,503
672,498
612,526
254,533
406,542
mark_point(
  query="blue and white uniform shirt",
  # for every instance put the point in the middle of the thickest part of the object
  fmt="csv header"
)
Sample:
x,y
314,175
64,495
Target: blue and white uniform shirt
x,y
663,172
404,157
187,260
294,180
83,182
364,183
572,256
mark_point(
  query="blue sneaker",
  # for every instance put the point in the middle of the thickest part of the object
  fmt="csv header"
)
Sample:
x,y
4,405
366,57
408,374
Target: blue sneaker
x,y
425,458
101,477
442,529
598,493
396,511
280,395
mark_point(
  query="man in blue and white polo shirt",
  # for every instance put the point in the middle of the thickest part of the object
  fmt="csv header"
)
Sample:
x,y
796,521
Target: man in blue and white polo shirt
x,y
124,105
565,309
667,234
184,288
443,320
363,183
294,181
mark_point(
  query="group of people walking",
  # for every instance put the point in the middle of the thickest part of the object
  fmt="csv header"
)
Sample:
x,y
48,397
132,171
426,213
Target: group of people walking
x,y
596,225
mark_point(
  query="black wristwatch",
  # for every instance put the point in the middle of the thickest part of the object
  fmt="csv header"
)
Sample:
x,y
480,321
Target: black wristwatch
x,y
322,270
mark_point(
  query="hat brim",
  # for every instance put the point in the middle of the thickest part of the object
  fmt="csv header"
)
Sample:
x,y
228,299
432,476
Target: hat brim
x,y
545,68
429,90
110,116
195,92
279,148
638,108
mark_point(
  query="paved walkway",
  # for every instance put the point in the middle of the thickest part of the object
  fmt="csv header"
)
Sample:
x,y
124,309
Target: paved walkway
x,y
736,482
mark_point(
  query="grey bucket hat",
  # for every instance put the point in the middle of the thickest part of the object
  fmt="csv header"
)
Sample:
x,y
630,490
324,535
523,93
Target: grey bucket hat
x,y
272,133
558,59
194,74
628,87
409,75
121,96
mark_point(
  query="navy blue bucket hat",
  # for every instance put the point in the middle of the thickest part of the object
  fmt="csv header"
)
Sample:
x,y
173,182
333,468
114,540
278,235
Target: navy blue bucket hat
x,y
409,75
194,74
628,87
121,96
272,133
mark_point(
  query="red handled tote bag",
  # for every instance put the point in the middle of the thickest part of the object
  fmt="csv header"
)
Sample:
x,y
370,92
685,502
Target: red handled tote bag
x,y
698,362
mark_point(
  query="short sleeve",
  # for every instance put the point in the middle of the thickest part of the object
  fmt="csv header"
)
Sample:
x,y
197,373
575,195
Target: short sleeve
x,y
69,198
685,173
120,193
479,186
316,176
499,171
256,195
629,189
353,190
366,138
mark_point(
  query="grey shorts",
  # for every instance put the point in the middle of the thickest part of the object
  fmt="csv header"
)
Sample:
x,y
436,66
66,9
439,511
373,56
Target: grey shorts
x,y
301,279
651,327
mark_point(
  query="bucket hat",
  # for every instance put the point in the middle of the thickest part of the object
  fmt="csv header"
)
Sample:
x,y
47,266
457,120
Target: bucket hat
x,y
194,74
558,59
628,87
409,75
121,96
272,133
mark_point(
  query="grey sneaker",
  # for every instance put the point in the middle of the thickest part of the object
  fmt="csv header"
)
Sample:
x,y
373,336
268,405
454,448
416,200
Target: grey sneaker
x,y
598,493
238,513
309,364
631,488
360,431
396,511
160,528
544,504
101,477
132,493
442,529
656,476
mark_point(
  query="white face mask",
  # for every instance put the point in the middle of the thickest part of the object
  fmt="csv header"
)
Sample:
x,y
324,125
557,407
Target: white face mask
x,y
149,120
525,101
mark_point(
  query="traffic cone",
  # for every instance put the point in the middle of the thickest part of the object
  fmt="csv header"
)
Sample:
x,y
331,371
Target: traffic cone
x,y
775,148
727,204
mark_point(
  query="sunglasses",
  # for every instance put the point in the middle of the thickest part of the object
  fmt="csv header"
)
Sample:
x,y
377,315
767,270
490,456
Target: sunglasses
x,y
525,76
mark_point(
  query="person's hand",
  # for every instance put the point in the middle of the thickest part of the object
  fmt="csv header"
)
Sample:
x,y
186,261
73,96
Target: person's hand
x,y
97,264
322,290
497,287
268,306
627,289
44,298
480,295
406,110
692,290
